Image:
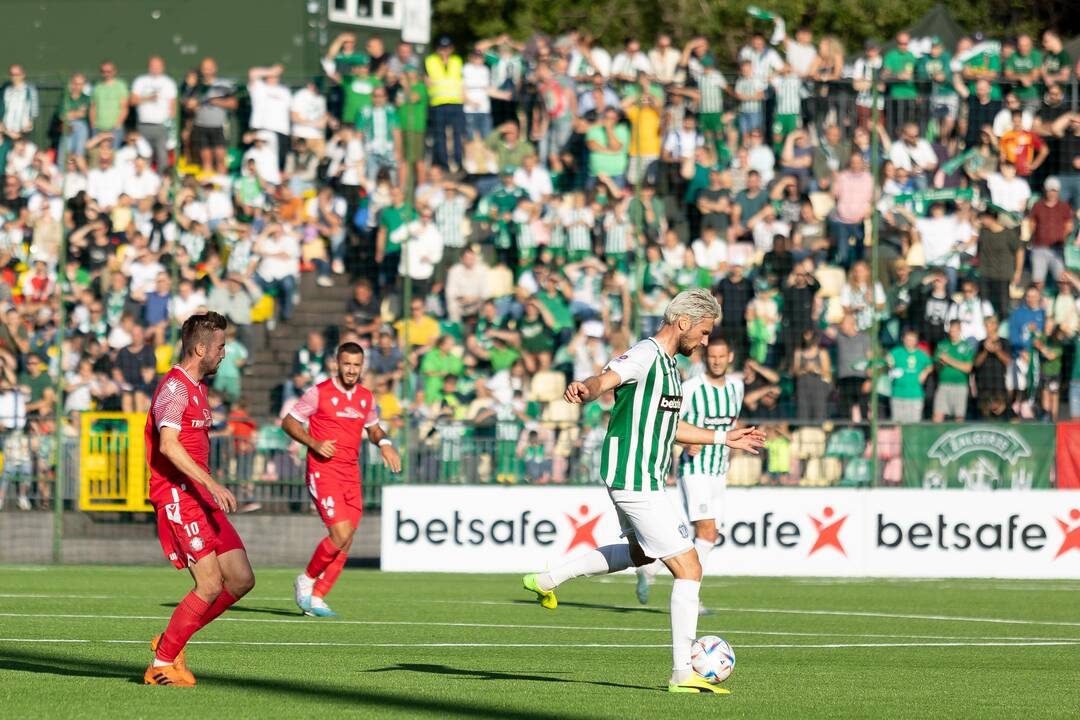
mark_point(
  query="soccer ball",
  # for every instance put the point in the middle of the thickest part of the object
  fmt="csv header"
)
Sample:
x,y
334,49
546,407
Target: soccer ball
x,y
712,658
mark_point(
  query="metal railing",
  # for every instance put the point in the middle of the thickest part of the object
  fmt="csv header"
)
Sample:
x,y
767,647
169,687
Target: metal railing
x,y
268,474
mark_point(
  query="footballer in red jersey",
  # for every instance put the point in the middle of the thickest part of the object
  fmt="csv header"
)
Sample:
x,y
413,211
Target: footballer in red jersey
x,y
337,411
191,506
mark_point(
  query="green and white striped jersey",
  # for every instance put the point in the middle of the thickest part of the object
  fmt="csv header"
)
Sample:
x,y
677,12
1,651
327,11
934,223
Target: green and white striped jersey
x,y
637,448
578,223
711,86
788,95
450,217
617,232
715,407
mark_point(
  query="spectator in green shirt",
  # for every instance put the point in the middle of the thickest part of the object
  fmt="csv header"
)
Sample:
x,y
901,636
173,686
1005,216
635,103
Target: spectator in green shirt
x,y
392,221
956,358
936,69
608,142
109,104
1056,63
509,147
74,119
1051,351
983,65
1024,68
357,87
412,101
909,368
898,68
439,363
38,387
536,332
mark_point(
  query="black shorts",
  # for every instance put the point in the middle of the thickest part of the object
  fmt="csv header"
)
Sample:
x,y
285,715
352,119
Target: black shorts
x,y
207,138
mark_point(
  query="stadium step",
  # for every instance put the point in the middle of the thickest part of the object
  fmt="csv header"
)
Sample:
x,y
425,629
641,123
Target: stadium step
x,y
272,356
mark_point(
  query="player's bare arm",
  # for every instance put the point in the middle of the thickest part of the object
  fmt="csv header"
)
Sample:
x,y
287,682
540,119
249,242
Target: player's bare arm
x,y
178,456
582,391
390,456
294,429
749,439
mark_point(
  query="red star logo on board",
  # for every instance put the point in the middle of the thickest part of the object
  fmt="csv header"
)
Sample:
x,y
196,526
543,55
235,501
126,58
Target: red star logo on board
x,y
583,529
828,532
1072,534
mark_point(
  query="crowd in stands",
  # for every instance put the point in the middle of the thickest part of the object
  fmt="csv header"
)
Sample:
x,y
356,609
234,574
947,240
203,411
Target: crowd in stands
x,y
542,200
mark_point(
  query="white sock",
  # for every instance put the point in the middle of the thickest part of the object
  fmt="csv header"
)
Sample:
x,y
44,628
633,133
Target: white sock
x,y
160,663
703,547
684,616
601,561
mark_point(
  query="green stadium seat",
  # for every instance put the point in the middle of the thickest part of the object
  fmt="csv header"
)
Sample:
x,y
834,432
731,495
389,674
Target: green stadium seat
x,y
857,473
845,443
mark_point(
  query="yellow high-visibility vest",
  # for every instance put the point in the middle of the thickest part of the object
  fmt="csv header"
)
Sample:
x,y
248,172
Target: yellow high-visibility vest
x,y
445,84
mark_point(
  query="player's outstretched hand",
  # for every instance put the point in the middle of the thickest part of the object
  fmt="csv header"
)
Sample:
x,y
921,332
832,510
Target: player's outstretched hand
x,y
326,448
222,496
391,459
693,450
576,392
749,439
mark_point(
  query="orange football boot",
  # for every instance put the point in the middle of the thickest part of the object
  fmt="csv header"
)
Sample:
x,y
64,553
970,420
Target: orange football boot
x,y
178,662
168,675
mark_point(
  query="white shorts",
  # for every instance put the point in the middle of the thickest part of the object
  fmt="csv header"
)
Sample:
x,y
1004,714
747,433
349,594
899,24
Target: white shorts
x,y
651,520
703,495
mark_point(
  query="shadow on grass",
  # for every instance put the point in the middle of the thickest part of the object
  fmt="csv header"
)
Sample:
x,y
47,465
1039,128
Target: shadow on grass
x,y
251,609
65,665
537,676
622,609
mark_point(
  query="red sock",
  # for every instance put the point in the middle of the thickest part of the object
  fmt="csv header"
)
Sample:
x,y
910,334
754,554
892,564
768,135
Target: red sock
x,y
322,557
185,620
224,602
330,576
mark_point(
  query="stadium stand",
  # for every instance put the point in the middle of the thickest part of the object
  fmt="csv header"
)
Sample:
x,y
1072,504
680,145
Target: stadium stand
x,y
490,221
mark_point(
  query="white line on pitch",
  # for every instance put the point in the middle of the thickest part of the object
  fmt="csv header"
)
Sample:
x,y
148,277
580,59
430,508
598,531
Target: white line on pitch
x,y
788,611
586,628
771,646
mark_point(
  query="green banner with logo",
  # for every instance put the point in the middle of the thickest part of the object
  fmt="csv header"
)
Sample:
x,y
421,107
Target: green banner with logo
x,y
979,456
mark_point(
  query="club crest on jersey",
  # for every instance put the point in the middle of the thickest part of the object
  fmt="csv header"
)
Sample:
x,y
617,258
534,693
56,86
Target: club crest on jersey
x,y
334,401
671,403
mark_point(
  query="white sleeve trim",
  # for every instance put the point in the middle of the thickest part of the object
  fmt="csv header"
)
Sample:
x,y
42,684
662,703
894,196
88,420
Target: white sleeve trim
x,y
166,423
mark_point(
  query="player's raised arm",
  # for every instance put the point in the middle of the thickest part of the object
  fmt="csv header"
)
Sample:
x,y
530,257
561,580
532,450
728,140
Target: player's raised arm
x,y
582,391
749,439
178,456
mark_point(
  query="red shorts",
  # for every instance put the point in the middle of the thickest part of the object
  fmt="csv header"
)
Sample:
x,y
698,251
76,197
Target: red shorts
x,y
189,530
337,501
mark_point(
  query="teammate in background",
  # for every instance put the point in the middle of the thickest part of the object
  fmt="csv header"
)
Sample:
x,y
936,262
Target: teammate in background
x,y
712,401
635,461
337,412
191,506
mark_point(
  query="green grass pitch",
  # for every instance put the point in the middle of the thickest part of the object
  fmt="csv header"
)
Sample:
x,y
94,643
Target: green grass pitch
x,y
74,643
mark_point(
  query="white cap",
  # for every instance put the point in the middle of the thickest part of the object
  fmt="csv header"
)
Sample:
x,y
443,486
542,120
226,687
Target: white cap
x,y
593,328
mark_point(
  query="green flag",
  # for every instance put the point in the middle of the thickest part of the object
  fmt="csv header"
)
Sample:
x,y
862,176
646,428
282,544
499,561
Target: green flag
x,y
755,12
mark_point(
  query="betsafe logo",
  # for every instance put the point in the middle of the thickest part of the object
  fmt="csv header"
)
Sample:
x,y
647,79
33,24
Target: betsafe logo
x,y
939,532
1071,529
787,534
459,528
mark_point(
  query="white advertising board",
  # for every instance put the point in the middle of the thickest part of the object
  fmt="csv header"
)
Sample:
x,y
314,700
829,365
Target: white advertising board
x,y
766,531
